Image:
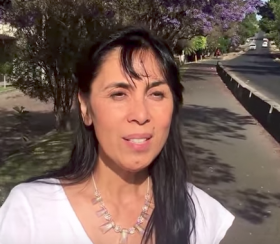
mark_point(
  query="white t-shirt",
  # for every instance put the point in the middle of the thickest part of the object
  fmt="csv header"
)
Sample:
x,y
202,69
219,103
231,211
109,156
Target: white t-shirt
x,y
38,213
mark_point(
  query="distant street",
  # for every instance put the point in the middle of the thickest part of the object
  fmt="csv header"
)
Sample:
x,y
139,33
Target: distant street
x,y
259,70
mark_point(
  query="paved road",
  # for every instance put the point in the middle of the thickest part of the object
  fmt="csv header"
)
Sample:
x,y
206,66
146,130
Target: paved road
x,y
258,68
232,156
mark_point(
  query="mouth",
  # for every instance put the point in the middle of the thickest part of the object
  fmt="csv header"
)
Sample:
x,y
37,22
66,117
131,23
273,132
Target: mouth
x,y
138,141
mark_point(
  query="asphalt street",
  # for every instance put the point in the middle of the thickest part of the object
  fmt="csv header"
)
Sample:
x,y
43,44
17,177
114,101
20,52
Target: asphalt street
x,y
257,68
232,157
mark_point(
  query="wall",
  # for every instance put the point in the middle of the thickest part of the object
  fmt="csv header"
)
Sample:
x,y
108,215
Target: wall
x,y
266,111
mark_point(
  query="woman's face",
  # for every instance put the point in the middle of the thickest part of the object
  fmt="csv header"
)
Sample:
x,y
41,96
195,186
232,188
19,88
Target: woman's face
x,y
131,117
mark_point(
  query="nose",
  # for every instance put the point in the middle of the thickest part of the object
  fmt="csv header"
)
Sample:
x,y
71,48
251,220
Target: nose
x,y
139,112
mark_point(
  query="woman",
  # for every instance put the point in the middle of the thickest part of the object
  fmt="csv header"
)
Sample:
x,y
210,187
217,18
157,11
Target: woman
x,y
126,181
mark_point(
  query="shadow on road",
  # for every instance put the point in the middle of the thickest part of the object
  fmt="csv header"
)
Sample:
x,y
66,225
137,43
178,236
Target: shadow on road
x,y
203,126
255,206
264,65
196,72
261,55
207,168
211,123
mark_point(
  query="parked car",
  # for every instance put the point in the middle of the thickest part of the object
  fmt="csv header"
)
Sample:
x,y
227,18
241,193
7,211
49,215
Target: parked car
x,y
252,46
265,44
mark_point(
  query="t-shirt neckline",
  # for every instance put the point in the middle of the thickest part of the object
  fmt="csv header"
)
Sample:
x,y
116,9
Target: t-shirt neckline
x,y
73,218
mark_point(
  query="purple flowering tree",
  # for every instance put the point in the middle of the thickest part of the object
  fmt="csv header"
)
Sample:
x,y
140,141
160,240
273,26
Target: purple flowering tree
x,y
52,32
184,19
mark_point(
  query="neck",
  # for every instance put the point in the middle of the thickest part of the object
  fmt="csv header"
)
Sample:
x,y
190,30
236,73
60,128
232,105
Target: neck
x,y
119,184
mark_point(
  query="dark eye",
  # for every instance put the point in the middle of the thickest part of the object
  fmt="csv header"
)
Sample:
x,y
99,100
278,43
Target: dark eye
x,y
118,95
158,95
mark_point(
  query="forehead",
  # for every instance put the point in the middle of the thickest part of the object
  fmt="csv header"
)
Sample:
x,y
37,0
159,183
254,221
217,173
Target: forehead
x,y
143,62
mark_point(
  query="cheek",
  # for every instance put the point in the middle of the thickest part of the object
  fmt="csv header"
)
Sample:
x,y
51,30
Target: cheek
x,y
163,116
105,118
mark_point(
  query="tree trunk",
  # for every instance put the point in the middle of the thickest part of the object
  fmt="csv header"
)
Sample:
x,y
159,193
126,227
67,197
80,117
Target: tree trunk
x,y
63,103
5,82
63,120
174,43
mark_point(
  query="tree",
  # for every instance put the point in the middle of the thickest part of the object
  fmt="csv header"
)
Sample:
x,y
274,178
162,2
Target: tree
x,y
266,23
270,22
191,47
4,4
175,20
199,43
187,19
266,11
51,35
276,24
248,27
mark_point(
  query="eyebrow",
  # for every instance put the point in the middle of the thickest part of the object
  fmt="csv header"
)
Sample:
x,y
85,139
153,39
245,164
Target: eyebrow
x,y
129,86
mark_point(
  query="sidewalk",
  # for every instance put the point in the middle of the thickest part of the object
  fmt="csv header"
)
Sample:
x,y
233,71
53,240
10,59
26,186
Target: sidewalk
x,y
233,158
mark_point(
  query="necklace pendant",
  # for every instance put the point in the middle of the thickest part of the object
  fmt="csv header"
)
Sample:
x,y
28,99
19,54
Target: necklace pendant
x,y
101,212
107,226
124,237
96,200
149,204
131,230
145,208
139,228
110,224
145,215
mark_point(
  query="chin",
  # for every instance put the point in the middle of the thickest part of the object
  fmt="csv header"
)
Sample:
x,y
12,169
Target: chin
x,y
135,167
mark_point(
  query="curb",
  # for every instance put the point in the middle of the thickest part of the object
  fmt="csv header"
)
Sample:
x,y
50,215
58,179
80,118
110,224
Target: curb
x,y
266,111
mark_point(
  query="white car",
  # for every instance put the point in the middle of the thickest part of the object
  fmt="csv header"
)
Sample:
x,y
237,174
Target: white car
x,y
265,44
252,46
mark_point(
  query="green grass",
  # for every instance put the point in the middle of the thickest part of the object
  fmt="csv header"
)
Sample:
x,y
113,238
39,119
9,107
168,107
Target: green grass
x,y
50,152
8,88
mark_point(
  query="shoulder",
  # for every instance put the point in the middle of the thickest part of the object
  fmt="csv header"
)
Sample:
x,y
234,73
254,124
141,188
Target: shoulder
x,y
26,195
24,201
212,218
33,190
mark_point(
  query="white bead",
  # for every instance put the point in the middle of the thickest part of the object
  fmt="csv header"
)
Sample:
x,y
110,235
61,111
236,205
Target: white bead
x,y
131,230
117,229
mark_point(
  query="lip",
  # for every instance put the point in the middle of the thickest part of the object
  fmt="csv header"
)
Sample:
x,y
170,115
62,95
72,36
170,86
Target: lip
x,y
140,147
138,136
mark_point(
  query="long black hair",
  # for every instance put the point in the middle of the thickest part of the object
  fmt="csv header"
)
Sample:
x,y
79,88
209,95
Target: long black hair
x,y
173,218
